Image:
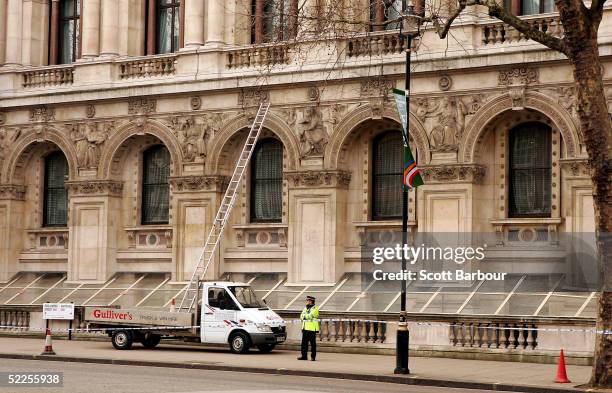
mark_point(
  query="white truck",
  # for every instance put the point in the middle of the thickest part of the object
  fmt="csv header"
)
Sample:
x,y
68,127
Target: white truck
x,y
228,313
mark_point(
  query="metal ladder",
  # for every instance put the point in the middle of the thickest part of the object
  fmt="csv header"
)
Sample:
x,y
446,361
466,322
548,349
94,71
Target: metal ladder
x,y
227,203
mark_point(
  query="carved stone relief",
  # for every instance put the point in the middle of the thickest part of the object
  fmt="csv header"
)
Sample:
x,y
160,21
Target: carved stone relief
x,y
376,87
199,183
8,136
318,178
253,97
444,118
94,187
90,111
445,83
195,102
313,94
88,139
312,133
471,173
42,113
14,192
141,106
518,76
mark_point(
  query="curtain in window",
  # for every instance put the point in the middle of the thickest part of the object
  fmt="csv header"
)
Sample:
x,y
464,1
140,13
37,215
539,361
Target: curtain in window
x,y
530,170
530,7
168,23
267,181
387,162
69,31
155,185
384,10
55,195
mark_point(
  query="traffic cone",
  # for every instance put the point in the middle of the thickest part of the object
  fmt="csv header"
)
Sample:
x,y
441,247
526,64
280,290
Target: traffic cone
x,y
173,305
561,372
48,345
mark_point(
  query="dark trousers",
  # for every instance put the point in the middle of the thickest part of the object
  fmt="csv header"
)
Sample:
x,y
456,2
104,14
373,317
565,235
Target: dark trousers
x,y
309,337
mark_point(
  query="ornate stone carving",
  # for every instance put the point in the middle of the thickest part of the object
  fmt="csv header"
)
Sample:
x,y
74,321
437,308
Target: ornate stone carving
x,y
378,107
88,139
94,187
289,115
376,87
8,136
141,106
195,102
576,167
449,121
253,97
475,102
14,192
517,95
318,178
470,173
42,113
518,76
335,113
199,183
313,136
313,93
194,133
90,111
445,83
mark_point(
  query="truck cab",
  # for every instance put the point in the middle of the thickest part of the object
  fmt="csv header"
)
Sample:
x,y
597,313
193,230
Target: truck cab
x,y
231,313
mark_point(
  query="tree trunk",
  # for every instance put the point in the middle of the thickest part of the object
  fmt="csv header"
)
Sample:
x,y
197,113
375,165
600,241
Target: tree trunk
x,y
596,130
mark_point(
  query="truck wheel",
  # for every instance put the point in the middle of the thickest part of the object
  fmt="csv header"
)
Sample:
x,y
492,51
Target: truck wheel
x,y
265,348
122,339
151,340
239,343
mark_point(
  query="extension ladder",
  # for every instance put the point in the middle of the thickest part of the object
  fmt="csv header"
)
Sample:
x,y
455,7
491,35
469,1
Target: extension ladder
x,y
227,203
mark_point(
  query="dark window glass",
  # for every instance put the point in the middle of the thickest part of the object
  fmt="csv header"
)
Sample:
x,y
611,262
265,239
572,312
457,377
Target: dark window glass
x,y
530,7
168,25
155,185
530,171
387,163
267,181
55,195
69,31
276,20
389,10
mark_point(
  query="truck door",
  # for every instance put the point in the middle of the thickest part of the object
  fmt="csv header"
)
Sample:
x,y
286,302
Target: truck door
x,y
218,315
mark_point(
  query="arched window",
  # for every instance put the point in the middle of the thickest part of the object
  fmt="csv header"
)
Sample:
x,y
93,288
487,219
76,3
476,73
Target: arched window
x,y
267,181
530,170
65,41
155,185
387,162
274,20
55,209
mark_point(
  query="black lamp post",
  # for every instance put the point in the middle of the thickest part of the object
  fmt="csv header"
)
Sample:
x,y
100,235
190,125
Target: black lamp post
x,y
409,30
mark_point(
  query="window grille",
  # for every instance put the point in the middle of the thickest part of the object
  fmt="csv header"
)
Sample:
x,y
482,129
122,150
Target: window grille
x,y
530,171
155,185
387,162
267,181
55,210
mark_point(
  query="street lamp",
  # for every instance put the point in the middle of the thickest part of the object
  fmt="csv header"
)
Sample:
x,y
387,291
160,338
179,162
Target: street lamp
x,y
409,30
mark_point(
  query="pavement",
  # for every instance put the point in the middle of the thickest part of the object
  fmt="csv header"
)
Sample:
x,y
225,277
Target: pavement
x,y
440,372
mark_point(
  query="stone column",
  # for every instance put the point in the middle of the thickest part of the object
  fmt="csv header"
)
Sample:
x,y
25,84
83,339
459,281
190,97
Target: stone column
x,y
215,23
12,229
54,32
14,22
2,31
194,23
109,34
91,29
317,211
259,21
92,245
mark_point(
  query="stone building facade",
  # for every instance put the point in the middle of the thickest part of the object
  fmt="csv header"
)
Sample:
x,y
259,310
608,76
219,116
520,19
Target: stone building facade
x,y
141,123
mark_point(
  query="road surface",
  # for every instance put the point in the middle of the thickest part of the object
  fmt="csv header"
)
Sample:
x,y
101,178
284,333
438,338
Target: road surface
x,y
103,378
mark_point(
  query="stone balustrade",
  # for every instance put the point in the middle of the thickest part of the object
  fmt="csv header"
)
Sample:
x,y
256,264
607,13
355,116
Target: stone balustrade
x,y
14,320
353,330
259,56
150,237
48,239
48,77
494,335
501,33
524,231
375,44
147,67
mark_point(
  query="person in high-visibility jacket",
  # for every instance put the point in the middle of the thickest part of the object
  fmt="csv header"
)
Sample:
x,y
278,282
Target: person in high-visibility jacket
x,y
310,328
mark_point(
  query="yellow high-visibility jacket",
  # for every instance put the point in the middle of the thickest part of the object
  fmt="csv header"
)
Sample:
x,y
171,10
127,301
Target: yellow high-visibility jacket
x,y
310,318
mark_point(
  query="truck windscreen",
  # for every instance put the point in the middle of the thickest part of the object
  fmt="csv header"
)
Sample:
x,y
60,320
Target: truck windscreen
x,y
246,297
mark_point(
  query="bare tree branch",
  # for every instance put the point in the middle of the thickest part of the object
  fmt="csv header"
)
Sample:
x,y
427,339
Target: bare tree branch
x,y
597,10
498,11
442,30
